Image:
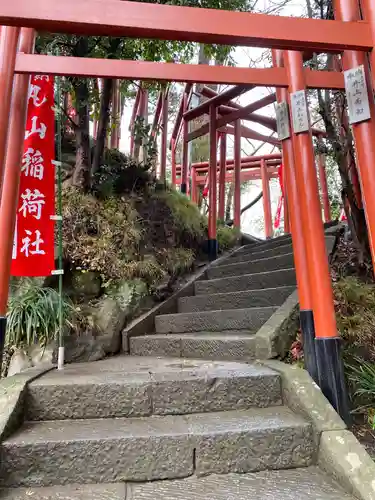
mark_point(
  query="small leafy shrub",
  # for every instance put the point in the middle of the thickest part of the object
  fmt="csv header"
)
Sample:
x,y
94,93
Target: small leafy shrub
x,y
148,270
176,260
33,315
102,236
355,313
227,237
120,174
185,213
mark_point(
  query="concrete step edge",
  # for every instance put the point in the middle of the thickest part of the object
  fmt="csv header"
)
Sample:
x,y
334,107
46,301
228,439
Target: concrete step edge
x,y
192,387
222,335
308,483
66,431
243,292
153,448
114,491
242,266
249,274
227,319
210,313
246,281
232,346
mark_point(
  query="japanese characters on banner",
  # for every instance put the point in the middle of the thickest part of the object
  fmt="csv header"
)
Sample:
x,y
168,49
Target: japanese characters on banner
x,y
33,246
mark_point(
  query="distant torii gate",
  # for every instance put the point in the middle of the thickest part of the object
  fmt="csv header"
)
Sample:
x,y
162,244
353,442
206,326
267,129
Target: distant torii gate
x,y
288,36
261,168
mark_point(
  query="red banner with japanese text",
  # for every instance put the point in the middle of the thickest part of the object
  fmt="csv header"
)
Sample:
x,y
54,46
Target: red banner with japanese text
x,y
33,246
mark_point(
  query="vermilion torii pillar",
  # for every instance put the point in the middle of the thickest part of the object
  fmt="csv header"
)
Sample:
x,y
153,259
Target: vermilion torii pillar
x,y
194,186
173,161
164,137
327,341
298,239
185,145
364,131
212,176
323,185
368,13
237,175
8,49
222,174
268,230
286,211
12,171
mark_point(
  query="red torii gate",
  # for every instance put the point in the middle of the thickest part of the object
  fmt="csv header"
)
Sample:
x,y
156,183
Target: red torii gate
x,y
231,114
232,111
265,170
290,35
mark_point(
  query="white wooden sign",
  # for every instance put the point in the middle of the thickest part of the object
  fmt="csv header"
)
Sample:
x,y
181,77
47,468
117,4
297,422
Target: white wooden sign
x,y
282,120
300,113
356,94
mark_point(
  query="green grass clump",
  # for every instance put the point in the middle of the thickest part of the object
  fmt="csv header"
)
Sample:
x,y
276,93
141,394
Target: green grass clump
x,y
185,213
227,237
33,315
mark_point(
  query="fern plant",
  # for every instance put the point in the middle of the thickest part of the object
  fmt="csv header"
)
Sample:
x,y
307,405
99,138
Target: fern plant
x,y
33,315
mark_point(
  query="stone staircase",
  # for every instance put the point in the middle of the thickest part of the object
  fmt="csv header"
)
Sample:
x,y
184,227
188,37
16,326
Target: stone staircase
x,y
148,427
240,293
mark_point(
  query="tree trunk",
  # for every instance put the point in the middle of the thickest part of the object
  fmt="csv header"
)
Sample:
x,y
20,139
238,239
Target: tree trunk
x,y
341,147
115,114
81,175
105,101
228,208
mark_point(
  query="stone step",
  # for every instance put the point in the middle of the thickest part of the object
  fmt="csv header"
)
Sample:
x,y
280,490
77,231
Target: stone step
x,y
269,279
250,319
116,491
256,255
128,386
252,266
226,346
235,300
266,245
267,250
308,483
145,449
